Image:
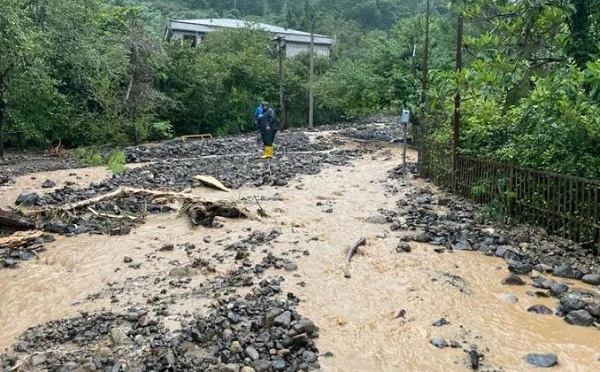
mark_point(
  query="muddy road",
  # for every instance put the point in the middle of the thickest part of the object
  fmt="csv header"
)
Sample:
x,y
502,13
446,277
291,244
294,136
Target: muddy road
x,y
146,300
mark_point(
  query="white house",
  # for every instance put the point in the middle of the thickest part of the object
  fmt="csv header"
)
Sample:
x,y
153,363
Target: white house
x,y
295,41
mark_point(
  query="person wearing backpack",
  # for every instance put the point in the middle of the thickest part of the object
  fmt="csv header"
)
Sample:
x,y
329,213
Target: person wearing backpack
x,y
268,129
258,114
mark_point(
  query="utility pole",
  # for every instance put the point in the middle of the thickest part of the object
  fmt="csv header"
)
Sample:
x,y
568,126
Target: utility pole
x,y
311,93
456,131
414,61
281,55
1,128
425,54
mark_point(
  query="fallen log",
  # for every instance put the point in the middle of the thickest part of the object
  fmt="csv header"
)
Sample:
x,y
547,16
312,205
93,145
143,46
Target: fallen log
x,y
351,251
19,239
14,221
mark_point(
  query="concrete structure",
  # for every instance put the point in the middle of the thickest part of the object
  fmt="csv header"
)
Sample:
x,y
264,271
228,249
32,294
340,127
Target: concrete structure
x,y
295,41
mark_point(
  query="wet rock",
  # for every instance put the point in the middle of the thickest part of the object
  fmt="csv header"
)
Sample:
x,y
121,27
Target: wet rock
x,y
278,364
261,365
513,279
183,272
48,184
541,360
304,325
252,353
230,368
510,298
377,220
285,319
520,268
167,247
38,359
564,271
440,322
462,245
438,342
592,279
290,266
247,369
558,289
403,247
236,347
422,238
570,302
119,336
593,308
540,309
579,318
27,199
127,259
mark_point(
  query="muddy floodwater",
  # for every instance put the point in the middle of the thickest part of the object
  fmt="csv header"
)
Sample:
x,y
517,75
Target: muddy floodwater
x,y
322,214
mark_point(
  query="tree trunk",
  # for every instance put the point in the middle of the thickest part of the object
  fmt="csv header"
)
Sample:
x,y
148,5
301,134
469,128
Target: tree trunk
x,y
15,222
2,107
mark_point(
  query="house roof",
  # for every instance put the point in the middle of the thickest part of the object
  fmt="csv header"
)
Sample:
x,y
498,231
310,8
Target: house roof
x,y
213,24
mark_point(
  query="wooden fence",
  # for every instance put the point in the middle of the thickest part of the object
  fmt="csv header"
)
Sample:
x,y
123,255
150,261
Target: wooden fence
x,y
564,205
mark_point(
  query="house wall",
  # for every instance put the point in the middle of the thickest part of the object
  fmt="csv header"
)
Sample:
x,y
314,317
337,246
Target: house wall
x,y
293,49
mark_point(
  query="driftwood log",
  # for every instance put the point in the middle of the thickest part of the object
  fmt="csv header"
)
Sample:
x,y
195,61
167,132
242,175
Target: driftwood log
x,y
351,251
19,239
13,221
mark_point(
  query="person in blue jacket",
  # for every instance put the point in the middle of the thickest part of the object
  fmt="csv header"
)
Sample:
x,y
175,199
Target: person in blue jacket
x,y
258,114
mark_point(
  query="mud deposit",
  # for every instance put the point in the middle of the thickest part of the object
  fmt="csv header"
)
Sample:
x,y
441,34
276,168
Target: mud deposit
x,y
437,287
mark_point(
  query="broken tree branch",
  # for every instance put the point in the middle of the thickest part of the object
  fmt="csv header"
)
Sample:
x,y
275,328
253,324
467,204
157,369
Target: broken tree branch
x,y
351,251
19,239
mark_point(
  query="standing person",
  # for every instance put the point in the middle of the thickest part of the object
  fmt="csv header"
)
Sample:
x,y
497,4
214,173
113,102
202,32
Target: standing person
x,y
258,114
268,128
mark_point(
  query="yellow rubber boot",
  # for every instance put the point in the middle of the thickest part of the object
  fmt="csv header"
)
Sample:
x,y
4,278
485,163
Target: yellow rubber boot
x,y
269,151
265,153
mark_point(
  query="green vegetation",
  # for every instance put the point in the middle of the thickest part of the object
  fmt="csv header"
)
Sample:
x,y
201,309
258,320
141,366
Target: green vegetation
x,y
96,72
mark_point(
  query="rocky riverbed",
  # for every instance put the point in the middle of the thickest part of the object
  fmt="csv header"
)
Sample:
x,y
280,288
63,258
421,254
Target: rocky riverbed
x,y
437,284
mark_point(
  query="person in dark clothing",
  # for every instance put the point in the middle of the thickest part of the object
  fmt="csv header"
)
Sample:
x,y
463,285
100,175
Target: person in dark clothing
x,y
268,129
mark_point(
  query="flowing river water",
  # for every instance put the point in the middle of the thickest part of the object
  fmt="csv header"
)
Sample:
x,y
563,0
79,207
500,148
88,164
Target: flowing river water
x,y
356,316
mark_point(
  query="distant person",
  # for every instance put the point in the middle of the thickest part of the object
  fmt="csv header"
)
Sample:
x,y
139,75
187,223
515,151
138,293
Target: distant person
x,y
258,114
268,129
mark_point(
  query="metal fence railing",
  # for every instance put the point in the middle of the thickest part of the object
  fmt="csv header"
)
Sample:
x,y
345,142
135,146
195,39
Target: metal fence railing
x,y
564,205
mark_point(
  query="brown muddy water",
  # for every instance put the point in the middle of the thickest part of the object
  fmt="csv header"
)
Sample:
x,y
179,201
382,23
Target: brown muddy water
x,y
357,316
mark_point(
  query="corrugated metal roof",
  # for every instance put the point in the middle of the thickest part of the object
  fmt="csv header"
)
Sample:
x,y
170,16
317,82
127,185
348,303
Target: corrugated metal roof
x,y
237,23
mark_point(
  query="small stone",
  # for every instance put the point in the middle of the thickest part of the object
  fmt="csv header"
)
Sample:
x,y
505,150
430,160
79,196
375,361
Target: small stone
x,y
579,318
278,364
38,359
380,220
167,247
403,247
48,184
138,340
252,353
183,272
231,367
284,319
438,342
510,298
540,309
290,266
591,279
119,336
247,369
541,360
127,259
103,352
233,317
440,322
513,279
261,365
236,347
